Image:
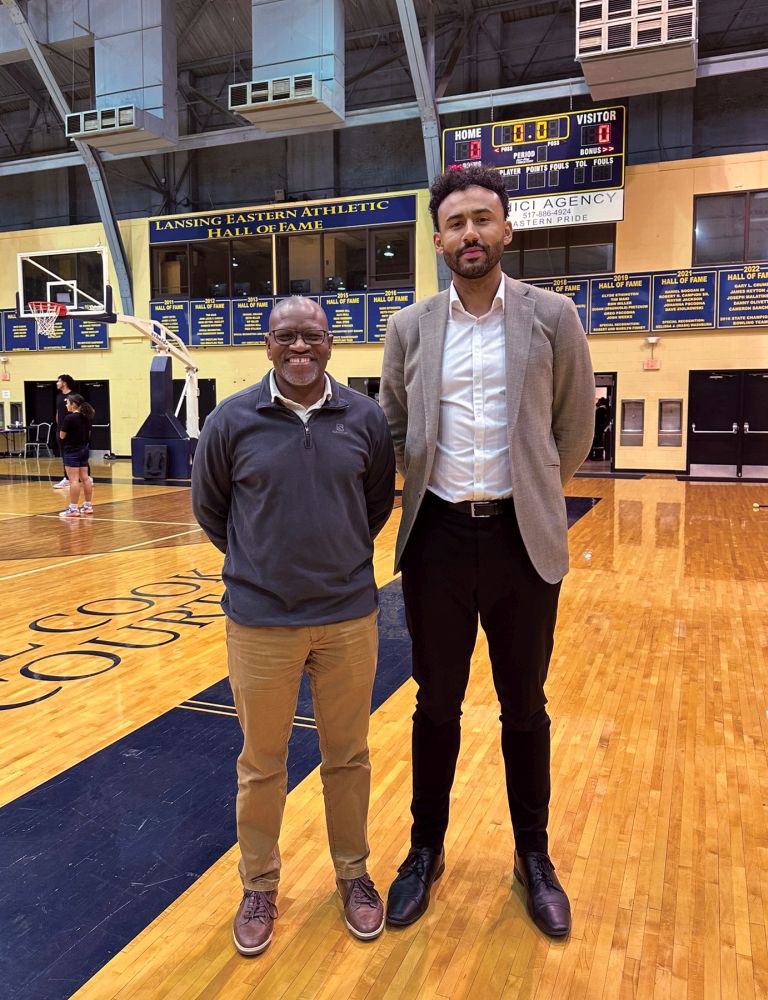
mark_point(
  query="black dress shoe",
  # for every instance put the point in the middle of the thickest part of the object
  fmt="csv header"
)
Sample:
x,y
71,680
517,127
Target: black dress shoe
x,y
547,902
408,896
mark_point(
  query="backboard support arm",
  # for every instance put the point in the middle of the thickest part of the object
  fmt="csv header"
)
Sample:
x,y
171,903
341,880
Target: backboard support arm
x,y
169,343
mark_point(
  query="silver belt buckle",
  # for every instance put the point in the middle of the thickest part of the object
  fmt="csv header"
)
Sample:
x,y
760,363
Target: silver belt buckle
x,y
481,503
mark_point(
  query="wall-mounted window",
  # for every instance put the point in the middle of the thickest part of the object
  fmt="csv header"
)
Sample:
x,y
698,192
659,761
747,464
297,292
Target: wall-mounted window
x,y
170,270
632,418
561,250
251,267
213,269
730,228
345,260
340,260
209,269
391,257
670,423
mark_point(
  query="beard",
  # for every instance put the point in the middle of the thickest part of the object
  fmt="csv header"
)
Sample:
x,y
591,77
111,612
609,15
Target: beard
x,y
479,267
300,375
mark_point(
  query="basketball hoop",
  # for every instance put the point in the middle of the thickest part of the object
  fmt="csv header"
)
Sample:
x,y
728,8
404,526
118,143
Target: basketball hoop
x,y
46,314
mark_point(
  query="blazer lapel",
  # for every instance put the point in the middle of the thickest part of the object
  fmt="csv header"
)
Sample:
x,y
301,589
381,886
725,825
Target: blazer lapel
x,y
518,322
431,341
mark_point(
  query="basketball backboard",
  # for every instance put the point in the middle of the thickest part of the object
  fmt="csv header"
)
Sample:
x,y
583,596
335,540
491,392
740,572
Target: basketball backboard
x,y
74,278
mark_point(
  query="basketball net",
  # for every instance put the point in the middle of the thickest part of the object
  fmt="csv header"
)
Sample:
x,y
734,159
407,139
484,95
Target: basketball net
x,y
46,314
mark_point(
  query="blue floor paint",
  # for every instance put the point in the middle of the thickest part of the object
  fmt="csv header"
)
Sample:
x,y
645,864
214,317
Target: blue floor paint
x,y
89,858
577,507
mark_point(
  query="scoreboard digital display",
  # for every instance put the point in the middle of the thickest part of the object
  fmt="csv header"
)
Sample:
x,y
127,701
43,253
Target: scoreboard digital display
x,y
581,151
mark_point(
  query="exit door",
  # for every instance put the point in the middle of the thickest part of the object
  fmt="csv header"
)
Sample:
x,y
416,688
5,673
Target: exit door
x,y
97,394
728,424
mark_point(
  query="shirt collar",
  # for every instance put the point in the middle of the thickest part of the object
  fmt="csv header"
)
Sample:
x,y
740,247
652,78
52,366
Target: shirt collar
x,y
499,299
276,397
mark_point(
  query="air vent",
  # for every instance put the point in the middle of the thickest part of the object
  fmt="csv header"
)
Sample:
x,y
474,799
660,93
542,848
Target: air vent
x,y
629,47
304,86
238,94
101,120
649,32
619,8
119,128
619,36
591,41
680,26
261,93
590,12
281,89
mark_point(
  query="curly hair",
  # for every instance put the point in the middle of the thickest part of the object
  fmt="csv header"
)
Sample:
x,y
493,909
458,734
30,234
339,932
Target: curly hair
x,y
459,179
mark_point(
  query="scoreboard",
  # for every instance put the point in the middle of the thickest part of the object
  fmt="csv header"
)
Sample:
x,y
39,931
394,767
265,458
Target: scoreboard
x,y
579,152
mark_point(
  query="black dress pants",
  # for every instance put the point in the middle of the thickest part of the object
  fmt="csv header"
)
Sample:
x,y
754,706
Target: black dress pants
x,y
457,570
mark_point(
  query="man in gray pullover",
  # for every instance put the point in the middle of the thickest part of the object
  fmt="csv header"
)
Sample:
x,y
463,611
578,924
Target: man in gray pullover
x,y
292,480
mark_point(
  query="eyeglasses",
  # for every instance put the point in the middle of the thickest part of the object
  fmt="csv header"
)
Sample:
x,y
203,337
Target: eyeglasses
x,y
287,337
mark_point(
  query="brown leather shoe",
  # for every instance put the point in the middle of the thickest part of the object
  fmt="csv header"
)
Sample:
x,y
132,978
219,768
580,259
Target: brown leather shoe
x,y
252,929
363,907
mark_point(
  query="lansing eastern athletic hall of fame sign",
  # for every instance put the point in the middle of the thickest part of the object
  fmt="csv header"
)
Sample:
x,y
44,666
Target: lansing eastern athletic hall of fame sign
x,y
560,170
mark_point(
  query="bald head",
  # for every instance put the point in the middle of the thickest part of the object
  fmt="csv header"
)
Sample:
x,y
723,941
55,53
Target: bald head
x,y
289,311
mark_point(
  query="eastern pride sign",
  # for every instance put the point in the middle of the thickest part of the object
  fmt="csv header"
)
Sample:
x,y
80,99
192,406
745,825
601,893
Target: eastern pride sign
x,y
566,209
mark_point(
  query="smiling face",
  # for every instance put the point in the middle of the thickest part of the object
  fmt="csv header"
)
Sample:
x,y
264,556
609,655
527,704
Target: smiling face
x,y
472,231
299,367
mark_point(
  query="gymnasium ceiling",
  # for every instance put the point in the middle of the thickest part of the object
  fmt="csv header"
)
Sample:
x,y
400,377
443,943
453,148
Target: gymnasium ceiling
x,y
480,45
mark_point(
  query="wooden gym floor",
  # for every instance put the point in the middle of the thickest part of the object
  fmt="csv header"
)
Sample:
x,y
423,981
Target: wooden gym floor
x,y
117,867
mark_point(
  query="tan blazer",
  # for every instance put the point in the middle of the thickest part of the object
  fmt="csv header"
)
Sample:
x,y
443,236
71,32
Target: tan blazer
x,y
550,409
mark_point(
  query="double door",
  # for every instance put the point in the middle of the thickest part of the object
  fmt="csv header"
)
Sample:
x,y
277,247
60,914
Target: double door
x,y
728,423
40,407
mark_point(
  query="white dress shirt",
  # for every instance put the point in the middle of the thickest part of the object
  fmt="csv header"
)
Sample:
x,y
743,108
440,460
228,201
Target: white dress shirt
x,y
472,455
302,411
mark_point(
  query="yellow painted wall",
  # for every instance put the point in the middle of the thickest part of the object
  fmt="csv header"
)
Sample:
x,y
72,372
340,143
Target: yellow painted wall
x,y
126,363
655,235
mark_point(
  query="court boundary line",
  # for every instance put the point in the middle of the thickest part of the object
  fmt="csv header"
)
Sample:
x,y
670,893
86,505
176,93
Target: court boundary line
x,y
120,520
98,555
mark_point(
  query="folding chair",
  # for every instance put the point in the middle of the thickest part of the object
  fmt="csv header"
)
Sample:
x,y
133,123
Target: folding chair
x,y
37,438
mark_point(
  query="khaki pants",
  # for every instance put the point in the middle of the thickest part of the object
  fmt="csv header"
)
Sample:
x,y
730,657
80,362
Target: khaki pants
x,y
265,669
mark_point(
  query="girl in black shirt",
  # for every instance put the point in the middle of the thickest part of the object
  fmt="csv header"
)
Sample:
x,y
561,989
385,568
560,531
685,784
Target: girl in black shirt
x,y
75,433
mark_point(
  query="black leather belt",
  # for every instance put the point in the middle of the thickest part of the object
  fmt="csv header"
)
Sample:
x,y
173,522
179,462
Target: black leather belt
x,y
476,508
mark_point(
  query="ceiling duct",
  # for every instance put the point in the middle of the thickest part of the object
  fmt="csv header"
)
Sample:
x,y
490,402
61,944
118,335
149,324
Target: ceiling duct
x,y
135,78
629,47
298,65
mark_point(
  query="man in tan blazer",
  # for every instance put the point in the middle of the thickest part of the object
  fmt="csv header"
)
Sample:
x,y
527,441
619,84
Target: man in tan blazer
x,y
489,392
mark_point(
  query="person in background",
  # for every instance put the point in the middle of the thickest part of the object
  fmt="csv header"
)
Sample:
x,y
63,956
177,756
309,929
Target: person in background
x,y
66,385
75,434
292,480
489,393
602,419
